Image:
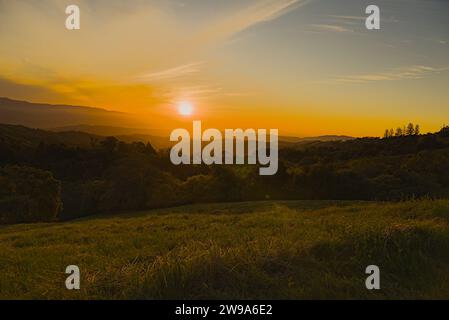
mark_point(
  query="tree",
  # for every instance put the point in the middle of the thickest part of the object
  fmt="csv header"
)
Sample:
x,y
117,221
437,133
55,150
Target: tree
x,y
417,130
410,130
444,132
389,133
28,195
399,132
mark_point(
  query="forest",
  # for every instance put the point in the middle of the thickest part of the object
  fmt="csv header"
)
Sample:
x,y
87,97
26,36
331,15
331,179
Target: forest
x,y
47,176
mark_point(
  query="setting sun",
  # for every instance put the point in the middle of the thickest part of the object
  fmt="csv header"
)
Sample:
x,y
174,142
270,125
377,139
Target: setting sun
x,y
185,108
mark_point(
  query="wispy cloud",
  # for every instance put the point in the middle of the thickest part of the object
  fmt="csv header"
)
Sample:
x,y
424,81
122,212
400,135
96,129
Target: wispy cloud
x,y
346,20
244,18
354,19
344,23
412,72
347,17
329,27
172,73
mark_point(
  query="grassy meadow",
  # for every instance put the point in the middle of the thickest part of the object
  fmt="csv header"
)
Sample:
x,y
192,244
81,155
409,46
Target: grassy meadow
x,y
260,250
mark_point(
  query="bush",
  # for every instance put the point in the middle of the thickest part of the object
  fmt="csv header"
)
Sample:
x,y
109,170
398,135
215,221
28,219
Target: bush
x,y
28,195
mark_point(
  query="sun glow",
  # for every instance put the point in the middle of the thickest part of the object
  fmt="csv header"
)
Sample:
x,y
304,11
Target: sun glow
x,y
185,108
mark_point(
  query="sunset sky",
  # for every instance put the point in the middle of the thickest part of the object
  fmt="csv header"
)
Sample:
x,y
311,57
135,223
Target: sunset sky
x,y
304,67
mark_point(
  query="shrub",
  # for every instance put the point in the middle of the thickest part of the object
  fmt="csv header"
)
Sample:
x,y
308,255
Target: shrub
x,y
28,195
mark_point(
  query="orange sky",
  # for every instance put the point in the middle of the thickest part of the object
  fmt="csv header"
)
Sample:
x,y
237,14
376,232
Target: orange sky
x,y
304,67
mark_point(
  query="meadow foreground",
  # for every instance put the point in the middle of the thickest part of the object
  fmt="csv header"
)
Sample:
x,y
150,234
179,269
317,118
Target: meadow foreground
x,y
250,250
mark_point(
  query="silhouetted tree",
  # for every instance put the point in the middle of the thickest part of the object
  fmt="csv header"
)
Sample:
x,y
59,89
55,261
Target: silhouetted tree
x,y
417,130
444,132
410,130
389,133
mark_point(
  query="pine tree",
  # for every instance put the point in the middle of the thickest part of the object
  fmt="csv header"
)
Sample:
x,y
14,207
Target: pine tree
x,y
410,130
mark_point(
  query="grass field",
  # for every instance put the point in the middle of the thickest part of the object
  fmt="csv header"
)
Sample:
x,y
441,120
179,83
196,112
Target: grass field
x,y
266,250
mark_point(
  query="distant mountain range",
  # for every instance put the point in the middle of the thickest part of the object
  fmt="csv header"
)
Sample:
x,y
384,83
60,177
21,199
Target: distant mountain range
x,y
85,123
317,138
38,115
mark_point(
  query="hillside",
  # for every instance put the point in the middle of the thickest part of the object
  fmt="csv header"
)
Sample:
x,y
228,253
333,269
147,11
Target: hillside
x,y
267,250
105,130
42,115
155,137
20,136
91,174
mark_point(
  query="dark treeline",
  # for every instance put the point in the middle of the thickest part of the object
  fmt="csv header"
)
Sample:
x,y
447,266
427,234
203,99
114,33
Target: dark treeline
x,y
42,181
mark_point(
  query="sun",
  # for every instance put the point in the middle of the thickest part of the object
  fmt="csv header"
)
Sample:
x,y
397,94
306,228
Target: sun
x,y
185,108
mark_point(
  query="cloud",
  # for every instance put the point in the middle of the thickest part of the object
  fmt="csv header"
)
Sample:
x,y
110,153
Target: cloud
x,y
346,20
352,19
244,18
329,27
412,72
345,23
347,17
172,73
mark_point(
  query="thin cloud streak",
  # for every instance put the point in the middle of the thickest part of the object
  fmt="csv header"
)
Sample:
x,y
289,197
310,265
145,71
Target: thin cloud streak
x,y
172,73
329,27
359,18
412,72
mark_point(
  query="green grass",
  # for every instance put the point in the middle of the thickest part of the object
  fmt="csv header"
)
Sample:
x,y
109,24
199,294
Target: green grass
x,y
260,250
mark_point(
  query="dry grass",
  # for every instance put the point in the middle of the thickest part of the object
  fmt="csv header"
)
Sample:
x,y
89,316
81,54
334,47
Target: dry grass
x,y
269,250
